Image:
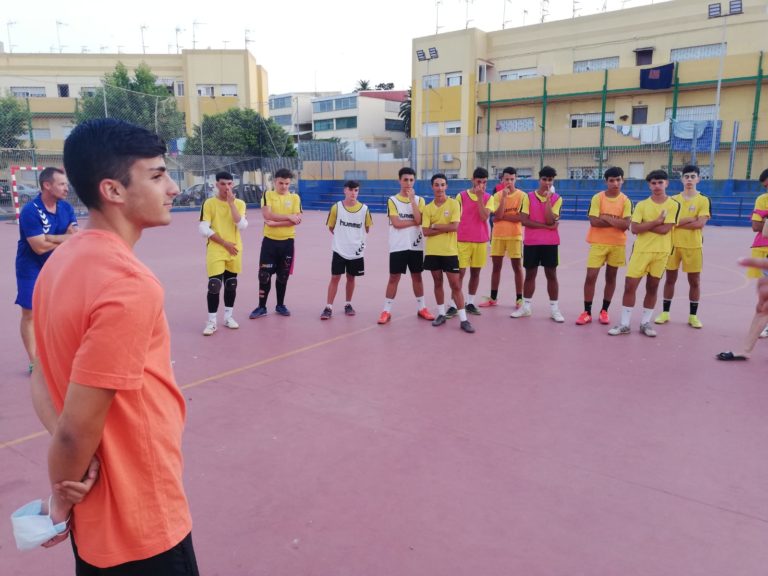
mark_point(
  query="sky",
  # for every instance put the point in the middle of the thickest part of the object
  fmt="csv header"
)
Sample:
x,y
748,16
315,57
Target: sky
x,y
305,45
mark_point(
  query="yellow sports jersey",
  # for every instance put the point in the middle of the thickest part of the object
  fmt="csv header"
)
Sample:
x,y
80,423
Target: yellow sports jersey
x,y
526,207
443,244
283,204
647,210
331,221
697,206
761,204
505,228
219,215
620,207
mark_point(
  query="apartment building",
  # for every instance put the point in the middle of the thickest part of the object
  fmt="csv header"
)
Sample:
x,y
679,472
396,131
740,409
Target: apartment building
x,y
293,112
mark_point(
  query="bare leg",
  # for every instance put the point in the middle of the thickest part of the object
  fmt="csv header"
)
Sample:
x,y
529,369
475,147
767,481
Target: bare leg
x,y
589,284
651,291
529,287
333,286
474,280
694,286
669,284
517,269
759,322
610,282
350,287
28,333
394,280
630,292
437,277
418,284
497,262
553,288
455,283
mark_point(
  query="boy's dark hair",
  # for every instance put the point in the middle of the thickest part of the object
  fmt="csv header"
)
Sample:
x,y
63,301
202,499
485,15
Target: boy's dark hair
x,y
480,172
106,148
436,176
763,176
657,175
688,168
509,170
47,175
223,175
351,184
547,172
284,173
613,172
405,170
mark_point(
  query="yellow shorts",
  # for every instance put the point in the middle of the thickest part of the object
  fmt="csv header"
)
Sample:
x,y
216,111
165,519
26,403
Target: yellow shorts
x,y
600,254
217,267
692,259
642,263
757,253
512,247
472,254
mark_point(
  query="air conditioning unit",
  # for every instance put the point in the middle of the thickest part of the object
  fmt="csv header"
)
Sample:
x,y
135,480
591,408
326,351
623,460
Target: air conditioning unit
x,y
447,157
601,156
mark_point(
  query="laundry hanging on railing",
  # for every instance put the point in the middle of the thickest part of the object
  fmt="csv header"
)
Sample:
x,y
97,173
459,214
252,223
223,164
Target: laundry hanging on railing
x,y
646,133
658,78
688,135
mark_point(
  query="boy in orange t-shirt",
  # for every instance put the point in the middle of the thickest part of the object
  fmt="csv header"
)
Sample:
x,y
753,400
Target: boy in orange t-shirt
x,y
104,386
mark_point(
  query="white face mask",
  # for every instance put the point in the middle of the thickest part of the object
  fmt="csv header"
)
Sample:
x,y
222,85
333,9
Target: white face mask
x,y
31,527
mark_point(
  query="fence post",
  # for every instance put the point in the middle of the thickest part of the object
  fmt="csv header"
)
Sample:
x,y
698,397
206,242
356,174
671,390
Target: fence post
x,y
753,132
602,122
675,92
488,133
543,123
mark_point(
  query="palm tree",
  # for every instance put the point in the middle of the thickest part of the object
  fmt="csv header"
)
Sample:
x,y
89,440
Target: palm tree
x,y
363,85
405,113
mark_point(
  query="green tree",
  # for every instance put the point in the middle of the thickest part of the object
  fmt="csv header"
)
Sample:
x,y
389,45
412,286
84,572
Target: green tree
x,y
363,85
240,132
385,86
138,99
405,113
14,122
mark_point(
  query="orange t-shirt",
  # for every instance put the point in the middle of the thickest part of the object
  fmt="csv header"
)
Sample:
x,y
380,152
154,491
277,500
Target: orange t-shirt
x,y
620,207
99,320
505,228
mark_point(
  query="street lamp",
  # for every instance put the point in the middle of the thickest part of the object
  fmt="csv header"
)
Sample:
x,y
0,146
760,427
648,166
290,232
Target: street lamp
x,y
428,56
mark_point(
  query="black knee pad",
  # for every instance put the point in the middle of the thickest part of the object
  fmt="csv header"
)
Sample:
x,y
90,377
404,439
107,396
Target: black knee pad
x,y
230,285
264,276
214,285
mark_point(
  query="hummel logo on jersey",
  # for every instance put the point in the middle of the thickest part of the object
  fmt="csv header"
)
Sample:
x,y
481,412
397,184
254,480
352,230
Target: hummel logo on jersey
x,y
418,240
405,216
44,220
360,250
350,224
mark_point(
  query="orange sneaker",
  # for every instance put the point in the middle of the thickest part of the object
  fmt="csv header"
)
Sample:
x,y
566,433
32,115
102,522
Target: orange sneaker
x,y
385,317
488,303
425,314
604,317
584,318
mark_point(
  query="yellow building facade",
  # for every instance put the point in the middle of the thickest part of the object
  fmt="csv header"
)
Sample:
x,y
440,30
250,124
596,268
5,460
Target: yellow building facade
x,y
567,93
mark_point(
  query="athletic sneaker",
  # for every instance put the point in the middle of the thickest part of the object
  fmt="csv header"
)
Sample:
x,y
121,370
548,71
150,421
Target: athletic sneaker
x,y
489,303
662,318
259,312
385,317
648,330
231,323
556,315
282,310
425,314
210,328
472,309
451,312
694,322
327,313
619,330
584,318
348,310
521,312
764,333
467,327
604,319
440,320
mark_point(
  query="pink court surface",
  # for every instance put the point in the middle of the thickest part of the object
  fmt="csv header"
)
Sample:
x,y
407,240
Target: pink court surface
x,y
528,448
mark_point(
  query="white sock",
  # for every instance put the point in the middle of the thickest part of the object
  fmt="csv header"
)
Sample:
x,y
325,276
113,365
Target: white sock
x,y
388,304
227,312
462,315
527,302
626,315
471,299
329,306
647,313
348,303
211,316
553,305
451,303
441,309
420,303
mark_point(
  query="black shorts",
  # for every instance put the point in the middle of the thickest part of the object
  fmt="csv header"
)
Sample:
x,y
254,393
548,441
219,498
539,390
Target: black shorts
x,y
412,260
276,254
340,265
535,256
445,263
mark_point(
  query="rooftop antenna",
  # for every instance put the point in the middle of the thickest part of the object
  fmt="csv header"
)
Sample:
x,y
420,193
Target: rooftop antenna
x,y
8,26
437,16
605,6
525,16
466,13
575,8
195,24
103,49
84,49
143,46
248,38
225,42
544,10
504,15
59,24
179,30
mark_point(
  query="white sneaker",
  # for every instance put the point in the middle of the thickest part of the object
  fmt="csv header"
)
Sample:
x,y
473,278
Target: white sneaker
x,y
210,328
524,310
557,316
764,333
648,330
619,330
230,323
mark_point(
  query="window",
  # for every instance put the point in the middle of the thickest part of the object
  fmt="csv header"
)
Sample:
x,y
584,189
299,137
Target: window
x,y
205,90
453,127
582,173
596,64
525,172
482,73
323,125
431,81
281,102
453,79
589,120
515,125
322,106
88,91
355,174
640,115
696,52
346,123
346,103
28,91
394,125
63,90
714,10
228,89
166,82
692,113
735,7
180,88
643,56
283,119
518,74
41,133
430,129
